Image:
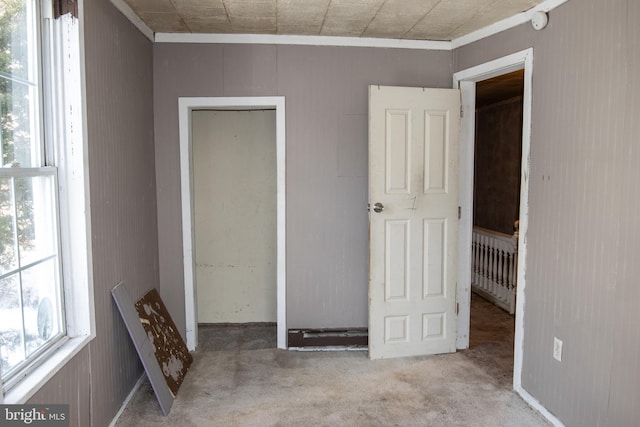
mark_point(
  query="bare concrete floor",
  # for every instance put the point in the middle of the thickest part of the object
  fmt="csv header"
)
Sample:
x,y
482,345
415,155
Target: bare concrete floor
x,y
238,378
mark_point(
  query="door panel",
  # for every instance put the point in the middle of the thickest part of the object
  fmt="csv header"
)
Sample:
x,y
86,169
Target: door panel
x,y
435,150
398,138
396,262
413,174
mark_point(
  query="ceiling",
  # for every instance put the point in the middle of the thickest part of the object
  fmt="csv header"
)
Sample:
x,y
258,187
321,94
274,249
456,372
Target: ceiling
x,y
394,19
499,88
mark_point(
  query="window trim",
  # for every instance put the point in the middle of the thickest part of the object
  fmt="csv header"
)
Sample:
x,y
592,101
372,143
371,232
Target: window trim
x,y
63,82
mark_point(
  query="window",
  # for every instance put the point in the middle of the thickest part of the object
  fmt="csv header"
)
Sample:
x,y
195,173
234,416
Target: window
x,y
30,286
41,193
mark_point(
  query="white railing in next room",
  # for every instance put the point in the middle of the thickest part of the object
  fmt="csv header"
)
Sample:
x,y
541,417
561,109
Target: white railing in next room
x,y
494,270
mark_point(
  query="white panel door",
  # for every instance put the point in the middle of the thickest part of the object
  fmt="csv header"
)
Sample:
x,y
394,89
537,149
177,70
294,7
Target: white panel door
x,y
413,194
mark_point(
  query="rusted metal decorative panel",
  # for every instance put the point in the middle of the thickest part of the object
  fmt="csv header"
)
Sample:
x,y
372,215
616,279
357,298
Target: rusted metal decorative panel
x,y
146,350
169,347
159,345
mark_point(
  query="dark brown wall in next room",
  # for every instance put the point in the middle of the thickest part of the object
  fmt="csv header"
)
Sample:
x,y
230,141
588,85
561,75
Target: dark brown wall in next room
x,y
498,151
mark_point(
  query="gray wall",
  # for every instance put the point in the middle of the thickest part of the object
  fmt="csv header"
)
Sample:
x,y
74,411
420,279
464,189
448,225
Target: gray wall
x,y
583,238
72,386
326,130
584,233
123,211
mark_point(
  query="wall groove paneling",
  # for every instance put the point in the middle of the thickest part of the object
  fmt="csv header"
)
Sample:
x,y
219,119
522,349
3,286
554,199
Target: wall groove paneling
x,y
583,231
119,97
327,168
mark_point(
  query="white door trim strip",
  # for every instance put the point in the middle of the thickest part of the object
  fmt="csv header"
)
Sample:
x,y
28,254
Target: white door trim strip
x,y
185,106
466,80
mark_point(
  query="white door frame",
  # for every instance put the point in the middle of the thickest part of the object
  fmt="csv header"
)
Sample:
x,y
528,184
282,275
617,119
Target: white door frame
x,y
466,81
185,106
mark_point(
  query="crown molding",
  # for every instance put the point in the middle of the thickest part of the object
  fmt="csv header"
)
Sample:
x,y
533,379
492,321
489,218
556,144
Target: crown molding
x,y
133,18
505,24
301,40
280,39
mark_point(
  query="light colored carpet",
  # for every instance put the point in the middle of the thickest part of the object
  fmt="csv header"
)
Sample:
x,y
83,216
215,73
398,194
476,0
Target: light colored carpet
x,y
236,381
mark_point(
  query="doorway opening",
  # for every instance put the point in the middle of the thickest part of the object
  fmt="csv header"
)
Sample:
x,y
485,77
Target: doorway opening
x,y
466,80
189,109
496,190
234,189
496,208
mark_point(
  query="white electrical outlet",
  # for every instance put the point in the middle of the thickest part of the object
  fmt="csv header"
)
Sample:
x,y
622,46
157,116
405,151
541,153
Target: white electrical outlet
x,y
557,349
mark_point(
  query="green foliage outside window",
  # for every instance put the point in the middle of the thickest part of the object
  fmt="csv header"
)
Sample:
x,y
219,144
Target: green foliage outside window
x,y
18,99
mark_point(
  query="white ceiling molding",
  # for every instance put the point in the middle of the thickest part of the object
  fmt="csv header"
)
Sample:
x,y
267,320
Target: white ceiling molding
x,y
301,40
505,24
487,31
133,18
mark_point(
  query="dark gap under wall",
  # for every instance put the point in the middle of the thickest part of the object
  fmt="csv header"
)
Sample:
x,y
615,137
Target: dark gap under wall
x,y
352,338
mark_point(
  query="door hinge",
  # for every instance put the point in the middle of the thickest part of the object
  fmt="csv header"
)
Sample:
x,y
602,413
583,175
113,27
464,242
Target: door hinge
x,y
461,111
459,212
457,308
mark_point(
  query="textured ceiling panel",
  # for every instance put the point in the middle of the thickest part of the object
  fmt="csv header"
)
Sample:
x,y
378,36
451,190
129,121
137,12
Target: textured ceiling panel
x,y
252,16
300,12
162,6
399,19
301,17
496,11
164,22
349,17
251,8
199,9
446,17
210,25
396,17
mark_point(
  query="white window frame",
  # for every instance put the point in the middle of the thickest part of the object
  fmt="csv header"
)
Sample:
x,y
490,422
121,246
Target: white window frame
x,y
64,127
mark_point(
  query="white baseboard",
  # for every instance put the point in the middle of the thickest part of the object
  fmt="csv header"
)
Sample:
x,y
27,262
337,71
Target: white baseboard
x,y
128,399
535,404
328,348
